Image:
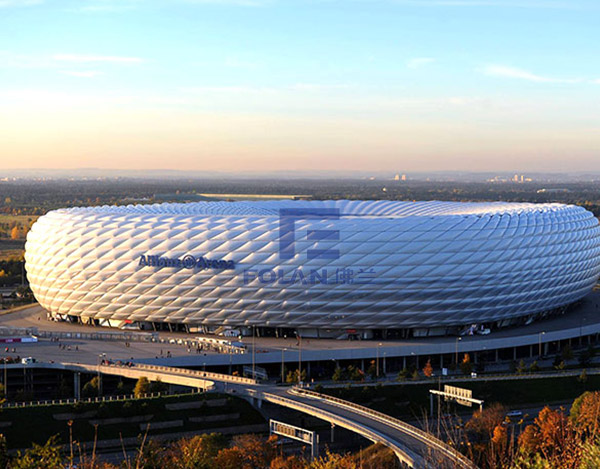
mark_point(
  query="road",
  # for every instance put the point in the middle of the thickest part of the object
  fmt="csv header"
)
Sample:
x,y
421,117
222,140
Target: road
x,y
408,442
412,446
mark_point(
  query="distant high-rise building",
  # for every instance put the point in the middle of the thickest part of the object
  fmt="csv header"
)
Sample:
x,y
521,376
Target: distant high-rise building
x,y
397,177
404,177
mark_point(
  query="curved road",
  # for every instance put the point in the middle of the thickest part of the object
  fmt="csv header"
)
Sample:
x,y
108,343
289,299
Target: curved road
x,y
414,447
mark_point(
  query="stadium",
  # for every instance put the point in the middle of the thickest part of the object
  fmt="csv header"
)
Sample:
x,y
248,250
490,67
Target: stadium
x,y
324,268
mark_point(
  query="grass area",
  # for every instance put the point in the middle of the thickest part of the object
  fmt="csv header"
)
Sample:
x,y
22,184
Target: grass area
x,y
20,435
412,400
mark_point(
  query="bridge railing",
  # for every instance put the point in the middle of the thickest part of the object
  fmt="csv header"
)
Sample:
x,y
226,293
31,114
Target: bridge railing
x,y
425,437
100,335
374,436
85,400
186,372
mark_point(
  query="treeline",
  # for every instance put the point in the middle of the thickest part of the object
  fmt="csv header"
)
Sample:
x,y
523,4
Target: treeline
x,y
10,272
557,438
28,197
198,452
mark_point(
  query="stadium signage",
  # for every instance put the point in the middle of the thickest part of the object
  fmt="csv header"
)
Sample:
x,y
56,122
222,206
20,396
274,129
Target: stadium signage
x,y
186,262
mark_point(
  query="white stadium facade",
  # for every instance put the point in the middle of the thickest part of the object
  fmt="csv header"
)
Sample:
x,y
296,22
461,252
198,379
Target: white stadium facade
x,y
324,268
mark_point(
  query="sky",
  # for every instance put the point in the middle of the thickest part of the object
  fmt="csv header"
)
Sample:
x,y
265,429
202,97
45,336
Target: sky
x,y
300,85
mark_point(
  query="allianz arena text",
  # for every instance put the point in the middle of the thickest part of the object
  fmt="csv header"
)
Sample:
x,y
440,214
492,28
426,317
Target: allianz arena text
x,y
424,268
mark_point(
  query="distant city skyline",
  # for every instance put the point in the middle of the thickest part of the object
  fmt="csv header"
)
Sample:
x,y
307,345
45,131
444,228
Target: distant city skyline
x,y
268,85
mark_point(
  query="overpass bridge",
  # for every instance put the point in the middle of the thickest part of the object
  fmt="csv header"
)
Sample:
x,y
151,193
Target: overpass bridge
x,y
413,447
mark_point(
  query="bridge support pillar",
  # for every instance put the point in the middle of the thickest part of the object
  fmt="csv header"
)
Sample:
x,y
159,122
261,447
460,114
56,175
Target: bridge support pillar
x,y
430,404
77,385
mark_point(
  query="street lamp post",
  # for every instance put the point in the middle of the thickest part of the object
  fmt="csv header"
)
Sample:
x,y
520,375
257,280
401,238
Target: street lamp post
x,y
540,343
458,339
282,366
299,357
253,352
100,356
377,362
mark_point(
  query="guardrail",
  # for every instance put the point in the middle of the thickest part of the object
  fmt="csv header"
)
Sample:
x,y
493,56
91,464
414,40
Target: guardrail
x,y
465,378
13,331
417,433
88,400
186,372
402,454
120,336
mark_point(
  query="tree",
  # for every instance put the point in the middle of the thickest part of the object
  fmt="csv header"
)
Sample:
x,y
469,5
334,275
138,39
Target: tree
x,y
15,233
428,369
90,389
582,378
466,366
3,452
355,373
142,387
534,367
334,461
521,367
585,413
247,451
372,370
553,437
195,452
289,462
338,374
158,386
403,374
47,456
292,376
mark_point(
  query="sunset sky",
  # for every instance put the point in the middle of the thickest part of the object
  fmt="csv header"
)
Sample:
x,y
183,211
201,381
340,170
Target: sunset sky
x,y
262,85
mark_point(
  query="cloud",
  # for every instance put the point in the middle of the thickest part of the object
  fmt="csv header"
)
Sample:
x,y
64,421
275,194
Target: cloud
x,y
81,73
11,60
518,73
419,62
96,58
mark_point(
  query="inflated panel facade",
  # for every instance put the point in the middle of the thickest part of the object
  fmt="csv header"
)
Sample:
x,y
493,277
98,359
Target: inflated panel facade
x,y
324,264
